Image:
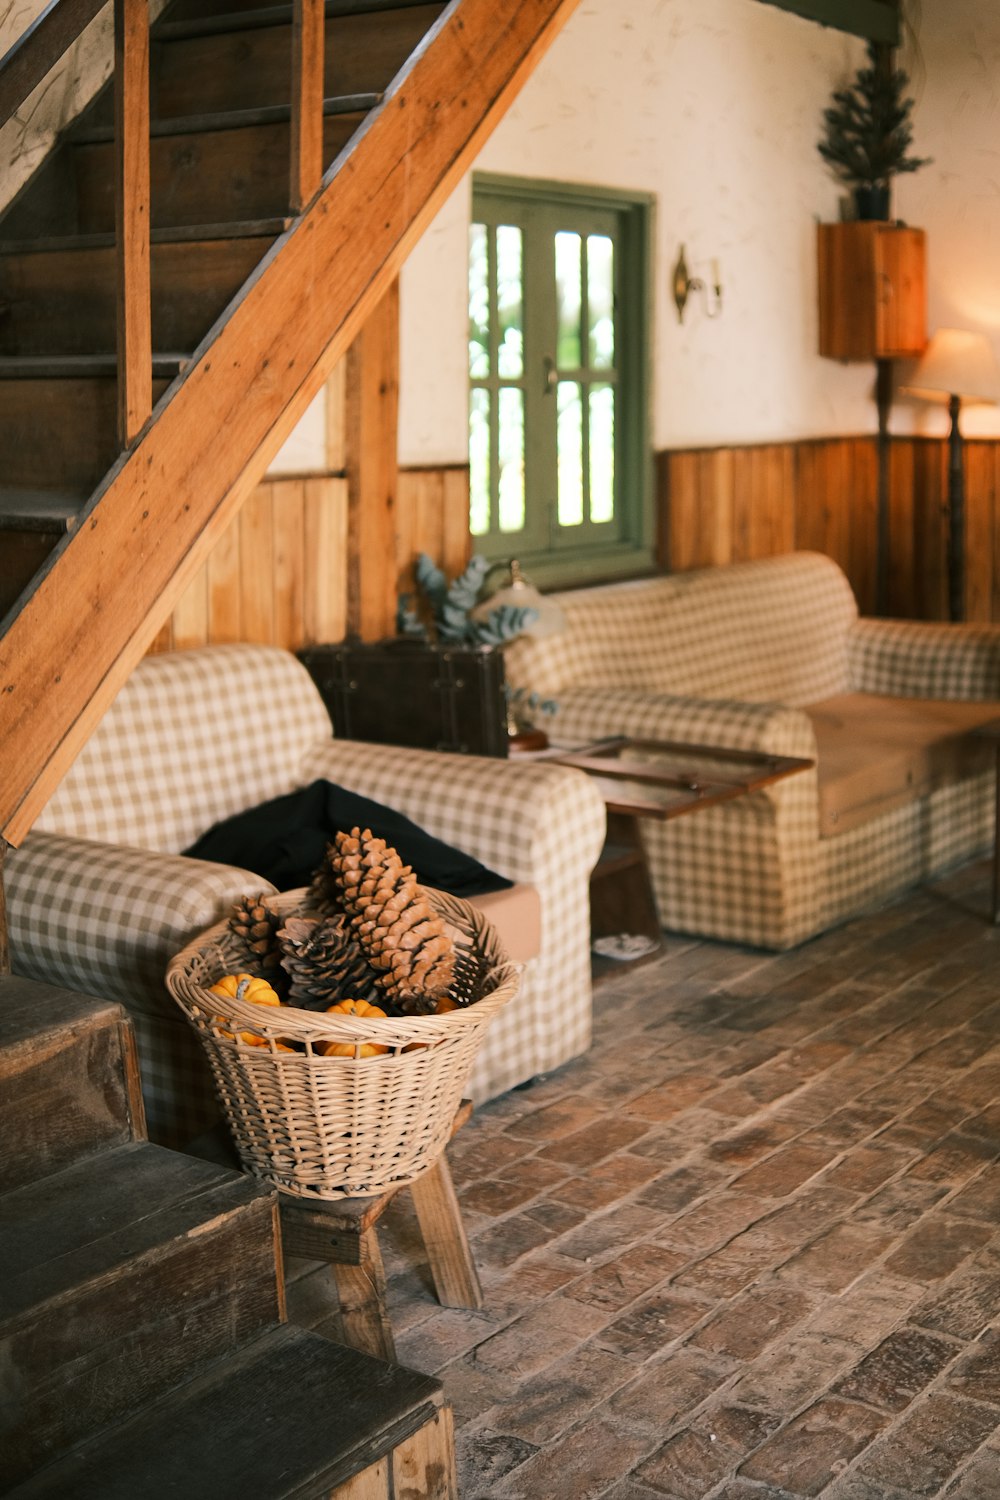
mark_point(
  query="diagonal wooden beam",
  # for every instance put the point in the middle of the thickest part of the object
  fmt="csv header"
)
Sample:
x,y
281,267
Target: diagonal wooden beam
x,y
115,579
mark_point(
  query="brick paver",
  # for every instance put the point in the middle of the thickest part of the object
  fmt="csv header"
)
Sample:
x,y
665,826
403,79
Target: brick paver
x,y
748,1248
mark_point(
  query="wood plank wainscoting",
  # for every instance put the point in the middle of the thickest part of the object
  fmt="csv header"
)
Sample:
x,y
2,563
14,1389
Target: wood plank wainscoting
x,y
719,505
280,572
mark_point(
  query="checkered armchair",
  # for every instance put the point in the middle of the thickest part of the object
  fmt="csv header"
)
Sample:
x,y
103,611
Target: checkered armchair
x,y
100,898
772,656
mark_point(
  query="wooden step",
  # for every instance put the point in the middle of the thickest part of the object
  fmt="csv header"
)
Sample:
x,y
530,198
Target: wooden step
x,y
58,419
208,65
122,1275
68,1079
292,1415
242,167
63,300
31,523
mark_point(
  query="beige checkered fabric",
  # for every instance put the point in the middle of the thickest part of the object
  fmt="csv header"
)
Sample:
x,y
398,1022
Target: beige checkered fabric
x,y
729,657
193,737
99,898
912,659
769,631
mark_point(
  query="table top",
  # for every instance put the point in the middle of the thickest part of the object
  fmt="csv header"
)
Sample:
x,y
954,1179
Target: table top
x,y
665,779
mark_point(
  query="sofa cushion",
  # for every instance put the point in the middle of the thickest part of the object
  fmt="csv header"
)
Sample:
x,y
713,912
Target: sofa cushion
x,y
769,631
192,737
517,916
876,753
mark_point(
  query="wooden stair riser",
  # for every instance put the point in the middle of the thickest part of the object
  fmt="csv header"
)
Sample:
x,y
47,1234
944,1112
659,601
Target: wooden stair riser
x,y
117,1325
59,433
196,177
248,69
63,301
22,553
68,1079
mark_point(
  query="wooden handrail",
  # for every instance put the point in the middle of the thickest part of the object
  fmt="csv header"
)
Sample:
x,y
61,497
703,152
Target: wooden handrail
x,y
307,102
39,48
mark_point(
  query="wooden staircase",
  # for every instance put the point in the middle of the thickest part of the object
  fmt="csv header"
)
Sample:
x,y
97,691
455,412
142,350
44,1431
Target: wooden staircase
x,y
108,509
143,1348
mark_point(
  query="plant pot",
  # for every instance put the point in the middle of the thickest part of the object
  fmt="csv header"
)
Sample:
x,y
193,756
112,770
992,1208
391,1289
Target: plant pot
x,y
872,202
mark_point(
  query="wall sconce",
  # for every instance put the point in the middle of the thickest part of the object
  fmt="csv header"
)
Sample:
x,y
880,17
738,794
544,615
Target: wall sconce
x,y
684,284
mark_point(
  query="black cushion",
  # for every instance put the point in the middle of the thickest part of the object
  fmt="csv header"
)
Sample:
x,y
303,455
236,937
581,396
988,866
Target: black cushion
x,y
284,841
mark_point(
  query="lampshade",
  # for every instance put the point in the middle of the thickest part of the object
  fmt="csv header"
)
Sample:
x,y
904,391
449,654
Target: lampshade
x,y
518,592
957,363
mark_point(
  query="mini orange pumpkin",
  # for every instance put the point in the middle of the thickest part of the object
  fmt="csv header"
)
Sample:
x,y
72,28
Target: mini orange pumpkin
x,y
246,987
351,1049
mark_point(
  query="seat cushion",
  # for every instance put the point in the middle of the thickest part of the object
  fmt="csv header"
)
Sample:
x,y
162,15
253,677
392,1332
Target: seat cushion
x,y
875,753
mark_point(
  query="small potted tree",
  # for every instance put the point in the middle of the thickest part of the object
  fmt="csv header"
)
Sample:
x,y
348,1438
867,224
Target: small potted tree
x,y
867,135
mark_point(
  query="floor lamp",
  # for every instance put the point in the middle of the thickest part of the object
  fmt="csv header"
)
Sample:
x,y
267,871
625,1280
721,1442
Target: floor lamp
x,y
956,367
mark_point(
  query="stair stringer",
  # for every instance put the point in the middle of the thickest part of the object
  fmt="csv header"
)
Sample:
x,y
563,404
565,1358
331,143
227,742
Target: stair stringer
x,y
112,581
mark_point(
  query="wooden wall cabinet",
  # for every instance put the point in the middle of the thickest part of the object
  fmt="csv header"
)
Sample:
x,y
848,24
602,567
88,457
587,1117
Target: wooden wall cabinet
x,y
872,291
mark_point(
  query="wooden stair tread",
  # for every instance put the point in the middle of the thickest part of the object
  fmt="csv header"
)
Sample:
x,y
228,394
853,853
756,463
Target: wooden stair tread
x,y
88,1222
38,510
291,1414
31,1010
168,234
271,15
233,119
81,366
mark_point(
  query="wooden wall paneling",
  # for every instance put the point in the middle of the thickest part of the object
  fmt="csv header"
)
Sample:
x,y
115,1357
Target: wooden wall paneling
x,y
256,553
371,425
325,536
715,507
930,529
995,596
681,523
980,524
225,616
773,502
863,521
810,529
290,564
456,542
335,394
902,590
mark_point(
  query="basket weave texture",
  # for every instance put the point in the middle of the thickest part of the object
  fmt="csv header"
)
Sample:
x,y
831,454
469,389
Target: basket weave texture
x,y
340,1127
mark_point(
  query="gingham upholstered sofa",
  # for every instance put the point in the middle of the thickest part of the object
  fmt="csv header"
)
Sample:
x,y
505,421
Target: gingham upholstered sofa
x,y
99,898
771,655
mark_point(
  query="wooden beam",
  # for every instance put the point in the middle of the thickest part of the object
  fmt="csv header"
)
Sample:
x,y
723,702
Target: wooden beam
x,y
372,405
39,48
133,329
307,102
878,20
115,580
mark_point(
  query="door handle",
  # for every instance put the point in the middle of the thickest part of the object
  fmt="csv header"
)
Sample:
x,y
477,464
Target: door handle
x,y
550,375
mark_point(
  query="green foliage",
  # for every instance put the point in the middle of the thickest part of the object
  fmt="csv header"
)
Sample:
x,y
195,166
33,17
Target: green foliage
x,y
867,131
449,608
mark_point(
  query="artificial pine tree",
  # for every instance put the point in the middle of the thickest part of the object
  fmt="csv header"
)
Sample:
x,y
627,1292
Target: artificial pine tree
x,y
868,134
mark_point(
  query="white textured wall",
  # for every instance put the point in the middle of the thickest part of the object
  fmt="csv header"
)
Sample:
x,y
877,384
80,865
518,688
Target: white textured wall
x,y
715,107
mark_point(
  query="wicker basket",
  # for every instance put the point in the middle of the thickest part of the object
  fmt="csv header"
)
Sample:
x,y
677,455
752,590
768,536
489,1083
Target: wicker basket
x,y
338,1127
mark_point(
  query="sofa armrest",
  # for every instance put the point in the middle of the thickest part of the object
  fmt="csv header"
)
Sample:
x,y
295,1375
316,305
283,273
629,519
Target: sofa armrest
x,y
594,713
533,823
105,918
918,659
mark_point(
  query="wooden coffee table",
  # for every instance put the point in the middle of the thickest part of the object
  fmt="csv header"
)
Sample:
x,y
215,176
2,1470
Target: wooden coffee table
x,y
656,779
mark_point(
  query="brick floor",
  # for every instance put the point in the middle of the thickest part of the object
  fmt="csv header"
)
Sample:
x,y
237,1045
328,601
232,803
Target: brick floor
x,y
748,1248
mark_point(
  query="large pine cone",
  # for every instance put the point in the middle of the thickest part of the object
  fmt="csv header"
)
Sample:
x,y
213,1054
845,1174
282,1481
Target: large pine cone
x,y
407,943
255,927
324,962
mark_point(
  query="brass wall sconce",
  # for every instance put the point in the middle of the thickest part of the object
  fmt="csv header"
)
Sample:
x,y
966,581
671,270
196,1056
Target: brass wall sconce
x,y
684,284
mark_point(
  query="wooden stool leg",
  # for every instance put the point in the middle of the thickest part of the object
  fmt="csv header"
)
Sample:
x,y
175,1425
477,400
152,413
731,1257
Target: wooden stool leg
x,y
455,1277
361,1292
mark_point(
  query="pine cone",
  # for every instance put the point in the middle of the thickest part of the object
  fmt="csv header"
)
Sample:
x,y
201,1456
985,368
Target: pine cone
x,y
324,892
405,941
256,927
323,961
